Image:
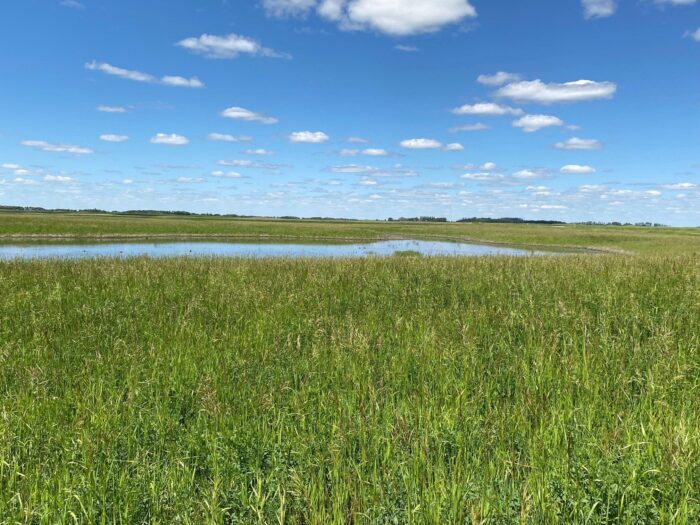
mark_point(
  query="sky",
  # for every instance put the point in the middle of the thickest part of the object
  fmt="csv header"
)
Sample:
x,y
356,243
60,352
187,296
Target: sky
x,y
574,110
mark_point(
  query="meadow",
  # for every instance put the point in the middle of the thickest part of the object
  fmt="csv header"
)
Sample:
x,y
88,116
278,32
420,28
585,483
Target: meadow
x,y
66,226
421,390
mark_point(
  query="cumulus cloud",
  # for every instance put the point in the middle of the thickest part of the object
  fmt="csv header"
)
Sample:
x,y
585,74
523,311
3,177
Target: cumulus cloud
x,y
454,146
406,49
227,46
576,143
10,166
498,79
576,169
57,148
542,93
598,8
487,109
238,113
421,144
532,123
308,137
394,17
169,139
111,109
108,137
138,76
357,140
223,137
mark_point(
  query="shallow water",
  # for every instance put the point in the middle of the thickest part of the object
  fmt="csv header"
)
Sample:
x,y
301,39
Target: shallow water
x,y
250,249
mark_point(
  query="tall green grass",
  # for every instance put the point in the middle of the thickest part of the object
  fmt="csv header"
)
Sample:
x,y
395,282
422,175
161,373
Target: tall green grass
x,y
398,390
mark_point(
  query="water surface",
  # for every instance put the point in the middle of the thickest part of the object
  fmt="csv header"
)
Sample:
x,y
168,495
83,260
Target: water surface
x,y
250,249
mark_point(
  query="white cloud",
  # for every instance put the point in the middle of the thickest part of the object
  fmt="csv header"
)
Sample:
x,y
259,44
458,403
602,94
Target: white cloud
x,y
681,186
9,166
258,151
598,8
488,166
226,174
57,148
227,46
488,109
247,115
576,143
27,182
57,178
421,144
113,138
370,152
539,92
484,177
653,193
352,168
138,76
455,146
127,181
695,35
406,49
531,123
223,137
375,152
394,17
498,79
469,127
111,109
357,140
176,81
576,169
308,137
406,17
169,139
527,174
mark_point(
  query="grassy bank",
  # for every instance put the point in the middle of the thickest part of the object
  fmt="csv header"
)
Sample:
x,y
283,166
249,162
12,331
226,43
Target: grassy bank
x,y
86,226
399,390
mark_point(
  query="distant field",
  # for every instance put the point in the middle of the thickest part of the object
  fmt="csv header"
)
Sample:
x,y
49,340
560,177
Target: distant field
x,y
627,239
397,390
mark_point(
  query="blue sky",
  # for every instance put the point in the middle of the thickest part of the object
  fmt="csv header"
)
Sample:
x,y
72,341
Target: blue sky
x,y
571,110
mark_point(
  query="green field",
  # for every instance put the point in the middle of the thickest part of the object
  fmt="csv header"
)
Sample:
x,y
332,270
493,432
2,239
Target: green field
x,y
102,226
562,389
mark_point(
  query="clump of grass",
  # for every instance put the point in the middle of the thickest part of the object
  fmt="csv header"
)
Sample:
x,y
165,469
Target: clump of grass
x,y
407,253
395,390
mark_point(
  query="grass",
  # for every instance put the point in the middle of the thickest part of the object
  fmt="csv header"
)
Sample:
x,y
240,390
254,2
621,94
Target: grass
x,y
385,390
86,226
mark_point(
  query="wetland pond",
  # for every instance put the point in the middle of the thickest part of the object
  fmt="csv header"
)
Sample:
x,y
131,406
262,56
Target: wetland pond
x,y
251,249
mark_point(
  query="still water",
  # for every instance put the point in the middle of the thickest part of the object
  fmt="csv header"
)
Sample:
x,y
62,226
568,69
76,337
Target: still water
x,y
250,250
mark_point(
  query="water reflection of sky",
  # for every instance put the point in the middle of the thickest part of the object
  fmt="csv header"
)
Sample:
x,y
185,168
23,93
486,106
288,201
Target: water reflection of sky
x,y
251,250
